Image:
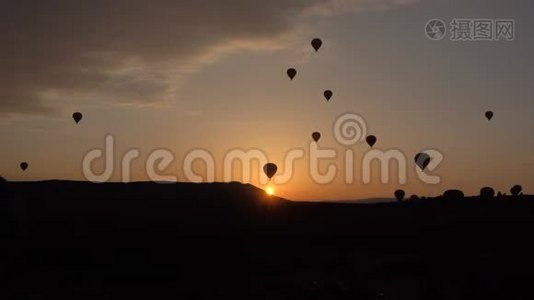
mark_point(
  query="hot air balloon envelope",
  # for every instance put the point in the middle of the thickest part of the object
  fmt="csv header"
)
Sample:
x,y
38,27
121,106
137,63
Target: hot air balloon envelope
x,y
516,190
291,73
371,140
316,44
270,169
328,94
399,194
422,160
77,116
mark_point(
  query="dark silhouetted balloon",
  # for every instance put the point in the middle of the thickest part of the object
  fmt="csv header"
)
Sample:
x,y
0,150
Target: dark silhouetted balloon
x,y
270,169
422,160
77,116
489,115
516,189
316,136
291,73
399,194
487,193
328,94
316,44
23,166
371,140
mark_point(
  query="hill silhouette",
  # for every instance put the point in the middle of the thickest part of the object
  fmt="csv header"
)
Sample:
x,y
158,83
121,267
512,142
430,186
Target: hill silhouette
x,y
202,241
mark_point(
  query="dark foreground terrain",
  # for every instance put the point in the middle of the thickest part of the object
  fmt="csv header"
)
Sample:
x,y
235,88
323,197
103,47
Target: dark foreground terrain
x,y
227,241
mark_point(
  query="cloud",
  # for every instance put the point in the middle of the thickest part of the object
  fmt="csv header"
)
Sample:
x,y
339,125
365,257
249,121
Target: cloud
x,y
131,51
335,6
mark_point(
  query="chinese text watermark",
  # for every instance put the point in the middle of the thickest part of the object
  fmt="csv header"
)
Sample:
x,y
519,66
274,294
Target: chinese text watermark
x,y
471,29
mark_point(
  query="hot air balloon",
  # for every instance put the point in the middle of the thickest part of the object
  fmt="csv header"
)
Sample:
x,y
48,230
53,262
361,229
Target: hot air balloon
x,y
371,140
77,116
316,136
328,94
270,169
399,194
516,190
487,193
489,115
23,166
316,44
291,73
422,160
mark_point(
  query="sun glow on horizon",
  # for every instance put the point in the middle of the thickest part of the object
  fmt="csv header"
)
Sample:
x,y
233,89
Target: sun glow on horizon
x,y
269,190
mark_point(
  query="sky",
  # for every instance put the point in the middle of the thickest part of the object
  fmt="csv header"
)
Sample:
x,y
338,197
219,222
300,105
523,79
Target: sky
x,y
206,74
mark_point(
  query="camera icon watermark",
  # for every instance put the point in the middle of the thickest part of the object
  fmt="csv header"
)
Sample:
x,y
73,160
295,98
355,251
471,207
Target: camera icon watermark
x,y
435,29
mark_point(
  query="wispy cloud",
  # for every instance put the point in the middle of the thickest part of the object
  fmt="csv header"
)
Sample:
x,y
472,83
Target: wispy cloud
x,y
133,51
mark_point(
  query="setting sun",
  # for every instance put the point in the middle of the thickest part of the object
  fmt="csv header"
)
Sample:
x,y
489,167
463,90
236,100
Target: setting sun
x,y
269,190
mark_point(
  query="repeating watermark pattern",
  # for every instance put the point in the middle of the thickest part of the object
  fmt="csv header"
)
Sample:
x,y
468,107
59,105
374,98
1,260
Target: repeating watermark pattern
x,y
472,29
349,130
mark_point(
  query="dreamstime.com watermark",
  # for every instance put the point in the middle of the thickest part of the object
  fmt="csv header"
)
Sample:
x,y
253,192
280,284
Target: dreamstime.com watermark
x,y
349,130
